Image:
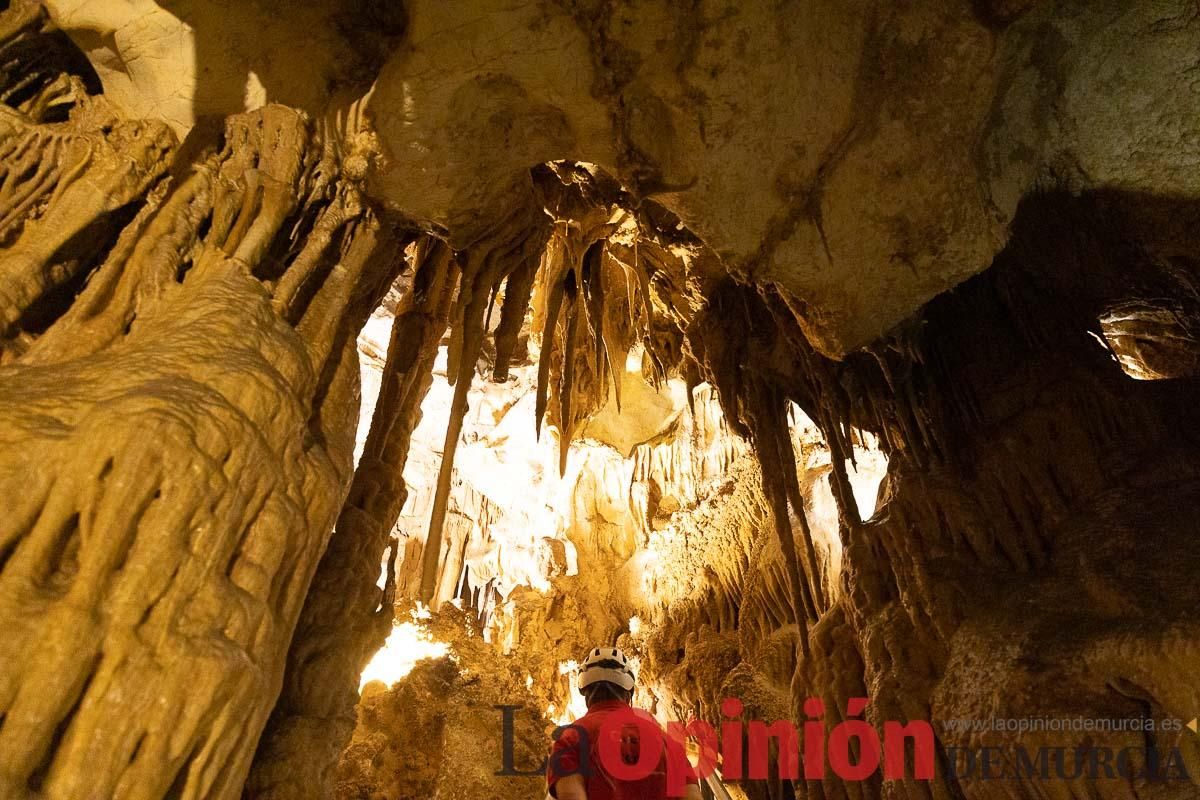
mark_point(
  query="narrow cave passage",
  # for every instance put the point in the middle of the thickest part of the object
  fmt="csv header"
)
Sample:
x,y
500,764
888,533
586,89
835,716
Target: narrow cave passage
x,y
656,497
394,396
658,535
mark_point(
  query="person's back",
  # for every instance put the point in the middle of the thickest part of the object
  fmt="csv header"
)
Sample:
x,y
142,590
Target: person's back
x,y
600,755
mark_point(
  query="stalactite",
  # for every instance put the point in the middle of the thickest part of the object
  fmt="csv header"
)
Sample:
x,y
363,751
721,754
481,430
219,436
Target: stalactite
x,y
772,443
516,240
517,292
555,275
759,412
346,618
597,302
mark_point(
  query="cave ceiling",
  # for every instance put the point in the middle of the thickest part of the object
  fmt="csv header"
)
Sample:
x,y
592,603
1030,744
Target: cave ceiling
x,y
863,157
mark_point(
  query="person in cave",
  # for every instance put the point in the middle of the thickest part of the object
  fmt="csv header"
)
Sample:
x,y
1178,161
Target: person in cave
x,y
582,766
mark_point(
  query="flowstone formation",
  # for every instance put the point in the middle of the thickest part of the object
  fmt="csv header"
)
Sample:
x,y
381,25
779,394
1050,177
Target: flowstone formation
x,y
178,379
703,272
1007,572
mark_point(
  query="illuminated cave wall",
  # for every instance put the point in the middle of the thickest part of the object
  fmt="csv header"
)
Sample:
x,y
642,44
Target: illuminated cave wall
x,y
959,237
653,538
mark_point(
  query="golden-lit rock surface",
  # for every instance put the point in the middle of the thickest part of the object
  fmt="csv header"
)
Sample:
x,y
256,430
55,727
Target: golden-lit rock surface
x,y
811,350
818,147
435,732
177,435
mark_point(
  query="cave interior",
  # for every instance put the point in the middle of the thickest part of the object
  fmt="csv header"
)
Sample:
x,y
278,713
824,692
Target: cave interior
x,y
364,363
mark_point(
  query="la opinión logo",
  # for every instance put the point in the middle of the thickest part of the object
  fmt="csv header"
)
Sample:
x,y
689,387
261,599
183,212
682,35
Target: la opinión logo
x,y
852,749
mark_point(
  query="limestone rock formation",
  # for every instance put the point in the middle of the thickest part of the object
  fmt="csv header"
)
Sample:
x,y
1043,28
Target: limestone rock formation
x,y
815,146
894,142
178,397
434,734
808,350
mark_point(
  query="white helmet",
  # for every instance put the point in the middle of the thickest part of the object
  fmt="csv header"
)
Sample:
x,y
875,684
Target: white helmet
x,y
606,664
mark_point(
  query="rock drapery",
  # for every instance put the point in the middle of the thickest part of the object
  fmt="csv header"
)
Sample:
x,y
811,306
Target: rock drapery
x,y
176,431
960,233
178,393
344,620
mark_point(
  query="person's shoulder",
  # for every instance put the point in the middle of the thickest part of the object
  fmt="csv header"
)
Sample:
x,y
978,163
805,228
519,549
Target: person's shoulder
x,y
587,722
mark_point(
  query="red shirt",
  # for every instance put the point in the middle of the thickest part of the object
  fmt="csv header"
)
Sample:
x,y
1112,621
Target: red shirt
x,y
613,720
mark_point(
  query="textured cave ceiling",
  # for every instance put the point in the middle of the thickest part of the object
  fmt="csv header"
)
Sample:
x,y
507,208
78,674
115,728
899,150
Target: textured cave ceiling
x,y
862,157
